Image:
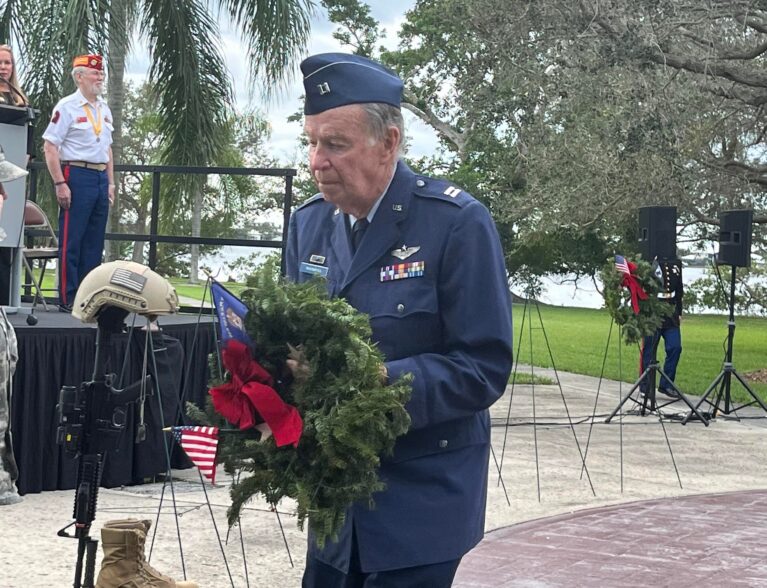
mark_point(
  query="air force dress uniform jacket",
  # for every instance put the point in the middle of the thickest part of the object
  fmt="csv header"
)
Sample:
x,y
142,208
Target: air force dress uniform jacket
x,y
430,274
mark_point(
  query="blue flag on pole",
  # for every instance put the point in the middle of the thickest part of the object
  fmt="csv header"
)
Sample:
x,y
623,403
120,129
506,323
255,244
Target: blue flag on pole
x,y
231,313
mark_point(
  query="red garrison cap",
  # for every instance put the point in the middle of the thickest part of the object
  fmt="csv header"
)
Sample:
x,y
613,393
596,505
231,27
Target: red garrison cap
x,y
91,61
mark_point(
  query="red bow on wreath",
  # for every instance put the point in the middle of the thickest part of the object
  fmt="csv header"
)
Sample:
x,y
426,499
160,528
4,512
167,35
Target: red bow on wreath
x,y
629,281
252,388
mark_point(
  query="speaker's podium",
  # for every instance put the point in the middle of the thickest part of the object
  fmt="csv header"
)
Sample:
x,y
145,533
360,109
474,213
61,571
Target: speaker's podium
x,y
14,123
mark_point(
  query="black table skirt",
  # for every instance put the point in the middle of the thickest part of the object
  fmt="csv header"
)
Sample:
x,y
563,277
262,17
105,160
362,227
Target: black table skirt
x,y
61,351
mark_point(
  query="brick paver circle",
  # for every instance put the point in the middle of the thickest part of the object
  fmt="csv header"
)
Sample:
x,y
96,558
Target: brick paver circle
x,y
706,540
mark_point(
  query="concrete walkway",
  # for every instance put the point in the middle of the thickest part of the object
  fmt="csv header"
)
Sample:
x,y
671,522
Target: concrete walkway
x,y
638,516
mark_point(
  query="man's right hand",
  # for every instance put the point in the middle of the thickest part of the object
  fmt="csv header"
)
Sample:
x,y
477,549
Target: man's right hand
x,y
64,196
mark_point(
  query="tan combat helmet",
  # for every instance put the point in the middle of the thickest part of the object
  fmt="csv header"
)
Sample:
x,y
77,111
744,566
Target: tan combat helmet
x,y
8,171
127,285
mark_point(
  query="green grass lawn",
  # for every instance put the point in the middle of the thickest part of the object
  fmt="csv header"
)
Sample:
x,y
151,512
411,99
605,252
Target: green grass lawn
x,y
578,338
195,291
183,288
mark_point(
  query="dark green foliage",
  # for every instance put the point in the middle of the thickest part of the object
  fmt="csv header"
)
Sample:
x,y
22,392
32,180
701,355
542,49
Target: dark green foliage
x,y
350,417
618,302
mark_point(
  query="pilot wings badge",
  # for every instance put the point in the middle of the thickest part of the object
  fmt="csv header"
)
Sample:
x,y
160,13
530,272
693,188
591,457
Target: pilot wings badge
x,y
404,252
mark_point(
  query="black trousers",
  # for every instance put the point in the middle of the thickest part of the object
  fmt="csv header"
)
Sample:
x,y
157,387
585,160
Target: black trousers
x,y
320,575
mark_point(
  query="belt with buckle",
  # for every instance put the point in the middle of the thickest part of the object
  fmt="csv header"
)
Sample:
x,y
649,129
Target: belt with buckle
x,y
86,165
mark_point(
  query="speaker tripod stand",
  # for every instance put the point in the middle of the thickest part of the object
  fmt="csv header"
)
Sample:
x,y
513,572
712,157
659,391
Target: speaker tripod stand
x,y
648,378
724,380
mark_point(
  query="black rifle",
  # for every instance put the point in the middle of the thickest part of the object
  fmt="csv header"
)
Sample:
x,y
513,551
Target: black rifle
x,y
91,422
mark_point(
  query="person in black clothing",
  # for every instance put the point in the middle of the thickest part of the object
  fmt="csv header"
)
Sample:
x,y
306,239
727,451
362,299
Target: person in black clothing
x,y
670,273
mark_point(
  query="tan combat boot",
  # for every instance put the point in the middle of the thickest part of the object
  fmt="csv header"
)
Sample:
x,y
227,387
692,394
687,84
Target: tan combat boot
x,y
141,525
124,565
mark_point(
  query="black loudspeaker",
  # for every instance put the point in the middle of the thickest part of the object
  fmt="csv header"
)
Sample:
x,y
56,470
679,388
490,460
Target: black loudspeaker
x,y
657,232
735,237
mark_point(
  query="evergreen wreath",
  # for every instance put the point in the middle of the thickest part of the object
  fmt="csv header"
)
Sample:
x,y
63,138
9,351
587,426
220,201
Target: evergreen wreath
x,y
350,417
618,300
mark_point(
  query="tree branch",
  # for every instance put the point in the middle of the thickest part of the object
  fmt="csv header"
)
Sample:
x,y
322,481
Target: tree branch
x,y
744,95
662,54
450,134
747,55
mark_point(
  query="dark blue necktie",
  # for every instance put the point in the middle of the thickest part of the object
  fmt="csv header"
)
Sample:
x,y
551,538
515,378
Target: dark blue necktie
x,y
358,231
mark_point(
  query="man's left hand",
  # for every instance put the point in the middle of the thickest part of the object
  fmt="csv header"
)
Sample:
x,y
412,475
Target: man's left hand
x,y
111,194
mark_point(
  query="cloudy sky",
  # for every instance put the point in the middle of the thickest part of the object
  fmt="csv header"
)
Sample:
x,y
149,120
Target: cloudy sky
x,y
284,144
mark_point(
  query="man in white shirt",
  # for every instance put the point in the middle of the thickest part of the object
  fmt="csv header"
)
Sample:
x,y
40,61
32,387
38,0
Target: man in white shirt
x,y
78,152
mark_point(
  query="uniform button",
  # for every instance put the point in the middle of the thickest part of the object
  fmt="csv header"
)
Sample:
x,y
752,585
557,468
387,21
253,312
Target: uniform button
x,y
400,308
420,183
442,443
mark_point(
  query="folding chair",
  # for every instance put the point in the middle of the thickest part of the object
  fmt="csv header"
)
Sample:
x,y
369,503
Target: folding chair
x,y
43,245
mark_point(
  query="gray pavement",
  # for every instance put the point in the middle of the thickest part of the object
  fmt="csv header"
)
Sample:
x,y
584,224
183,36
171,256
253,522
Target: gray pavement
x,y
623,521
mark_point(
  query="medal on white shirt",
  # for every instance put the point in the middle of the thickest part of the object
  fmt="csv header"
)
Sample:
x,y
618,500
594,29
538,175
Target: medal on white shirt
x,y
96,124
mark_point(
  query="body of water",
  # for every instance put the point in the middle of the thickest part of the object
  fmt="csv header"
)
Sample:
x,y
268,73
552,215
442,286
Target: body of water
x,y
583,293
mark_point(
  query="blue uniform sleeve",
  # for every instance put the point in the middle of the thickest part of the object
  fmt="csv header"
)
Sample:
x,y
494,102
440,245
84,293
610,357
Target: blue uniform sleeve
x,y
475,311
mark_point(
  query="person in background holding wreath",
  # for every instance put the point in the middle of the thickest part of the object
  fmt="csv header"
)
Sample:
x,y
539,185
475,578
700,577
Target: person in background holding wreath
x,y
11,94
423,259
669,272
78,153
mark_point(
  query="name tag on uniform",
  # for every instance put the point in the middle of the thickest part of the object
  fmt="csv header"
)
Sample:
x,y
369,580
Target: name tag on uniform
x,y
313,269
401,271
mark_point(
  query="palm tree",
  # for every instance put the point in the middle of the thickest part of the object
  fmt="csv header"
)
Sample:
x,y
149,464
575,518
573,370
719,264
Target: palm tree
x,y
188,71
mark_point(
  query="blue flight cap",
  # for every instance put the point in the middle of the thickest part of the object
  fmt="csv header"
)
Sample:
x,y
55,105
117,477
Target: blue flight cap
x,y
337,79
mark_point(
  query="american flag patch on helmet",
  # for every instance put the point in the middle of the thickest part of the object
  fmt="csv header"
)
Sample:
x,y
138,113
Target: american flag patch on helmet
x,y
129,279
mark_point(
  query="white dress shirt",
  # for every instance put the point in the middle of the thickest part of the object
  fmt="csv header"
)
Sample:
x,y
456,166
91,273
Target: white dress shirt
x,y
72,131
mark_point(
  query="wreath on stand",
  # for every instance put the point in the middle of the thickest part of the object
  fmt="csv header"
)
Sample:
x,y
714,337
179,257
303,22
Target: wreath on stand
x,y
631,297
330,419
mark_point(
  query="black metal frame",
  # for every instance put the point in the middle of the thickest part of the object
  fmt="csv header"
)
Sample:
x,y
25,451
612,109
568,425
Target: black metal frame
x,y
153,238
648,402
724,379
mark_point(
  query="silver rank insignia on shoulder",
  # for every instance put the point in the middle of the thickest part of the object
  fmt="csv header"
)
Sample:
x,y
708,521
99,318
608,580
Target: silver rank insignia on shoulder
x,y
404,252
452,191
314,258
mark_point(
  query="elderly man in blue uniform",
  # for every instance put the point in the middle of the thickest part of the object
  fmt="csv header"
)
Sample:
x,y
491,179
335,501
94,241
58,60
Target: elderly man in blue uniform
x,y
423,259
78,153
669,271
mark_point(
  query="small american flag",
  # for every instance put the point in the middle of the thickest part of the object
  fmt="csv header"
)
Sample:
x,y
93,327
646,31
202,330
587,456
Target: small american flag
x,y
200,444
622,265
